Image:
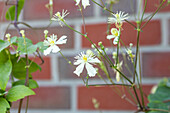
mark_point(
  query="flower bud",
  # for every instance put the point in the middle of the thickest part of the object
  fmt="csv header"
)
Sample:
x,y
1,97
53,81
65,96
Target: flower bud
x,y
22,33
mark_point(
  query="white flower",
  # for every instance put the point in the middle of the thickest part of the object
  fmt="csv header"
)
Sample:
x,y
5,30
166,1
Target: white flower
x,y
85,3
60,18
86,60
51,42
118,18
115,35
119,67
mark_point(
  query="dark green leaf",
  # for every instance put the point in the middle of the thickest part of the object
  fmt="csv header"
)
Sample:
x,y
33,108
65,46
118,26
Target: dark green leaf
x,y
158,105
18,92
10,14
5,69
3,105
32,83
27,48
2,92
5,44
161,94
19,70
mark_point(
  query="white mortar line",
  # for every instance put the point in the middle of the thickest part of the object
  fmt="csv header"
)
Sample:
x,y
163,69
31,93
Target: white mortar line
x,y
164,31
54,68
78,37
96,11
73,98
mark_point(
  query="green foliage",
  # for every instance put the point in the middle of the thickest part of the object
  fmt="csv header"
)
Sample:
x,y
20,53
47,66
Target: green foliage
x,y
5,69
3,105
27,48
10,14
32,83
160,99
41,46
18,92
5,44
19,69
2,92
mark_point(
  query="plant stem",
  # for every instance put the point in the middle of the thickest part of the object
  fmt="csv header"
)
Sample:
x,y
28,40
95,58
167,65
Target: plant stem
x,y
153,14
110,85
108,60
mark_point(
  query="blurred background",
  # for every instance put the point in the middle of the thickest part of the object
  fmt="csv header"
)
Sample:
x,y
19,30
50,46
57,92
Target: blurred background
x,y
61,91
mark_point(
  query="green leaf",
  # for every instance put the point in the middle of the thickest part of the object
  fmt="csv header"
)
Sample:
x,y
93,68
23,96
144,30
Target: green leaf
x,y
165,82
2,92
3,105
5,69
32,83
5,44
19,70
161,94
41,46
158,105
29,48
18,92
10,14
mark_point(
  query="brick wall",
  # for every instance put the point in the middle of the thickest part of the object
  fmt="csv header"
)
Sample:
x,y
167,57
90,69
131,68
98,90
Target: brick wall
x,y
63,92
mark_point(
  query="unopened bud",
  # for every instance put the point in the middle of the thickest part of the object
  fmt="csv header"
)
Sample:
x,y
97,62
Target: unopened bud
x,y
100,43
131,44
22,33
8,36
93,46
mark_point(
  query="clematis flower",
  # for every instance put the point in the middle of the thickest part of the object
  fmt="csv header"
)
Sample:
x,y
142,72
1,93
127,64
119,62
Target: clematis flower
x,y
115,35
52,42
85,3
118,18
86,60
60,17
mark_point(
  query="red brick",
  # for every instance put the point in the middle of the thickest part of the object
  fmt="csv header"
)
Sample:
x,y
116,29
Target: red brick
x,y
38,35
128,6
97,32
49,98
152,5
107,98
45,73
37,10
3,9
156,64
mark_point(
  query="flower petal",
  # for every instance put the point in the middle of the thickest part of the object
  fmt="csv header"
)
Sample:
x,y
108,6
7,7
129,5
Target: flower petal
x,y
110,37
90,70
117,76
95,60
78,62
77,2
115,41
62,40
46,43
55,49
47,51
79,69
85,3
